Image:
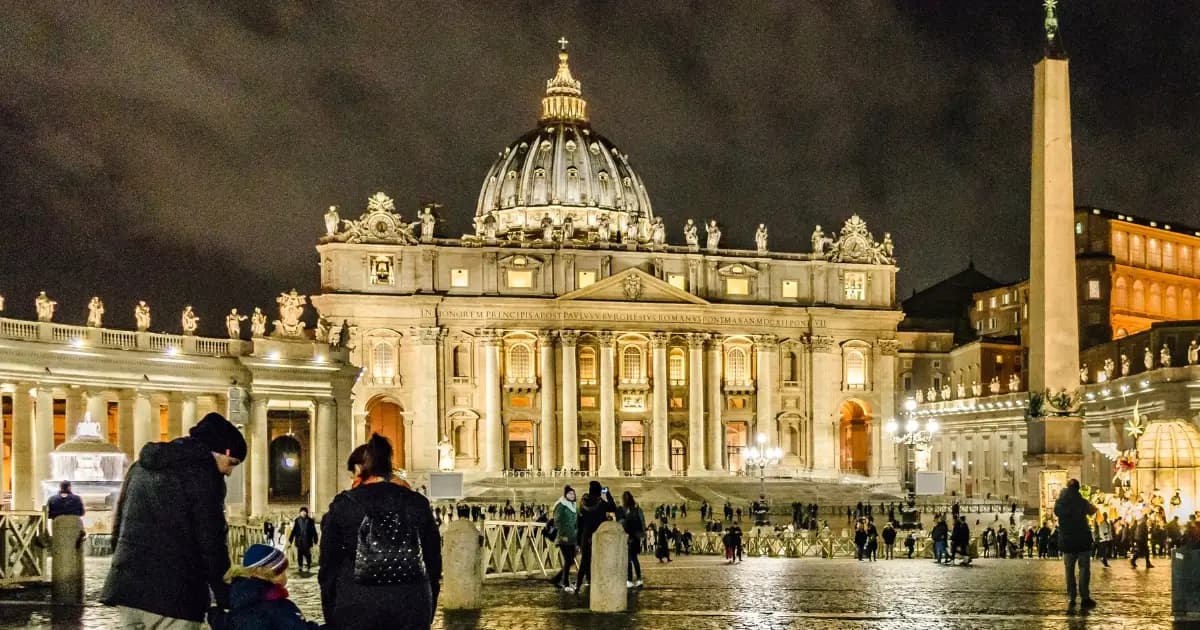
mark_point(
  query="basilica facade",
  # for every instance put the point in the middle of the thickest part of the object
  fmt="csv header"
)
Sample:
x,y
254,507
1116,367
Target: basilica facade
x,y
567,334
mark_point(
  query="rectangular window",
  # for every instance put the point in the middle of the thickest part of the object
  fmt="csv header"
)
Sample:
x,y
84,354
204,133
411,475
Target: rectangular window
x,y
999,359
855,285
937,365
1078,228
587,402
584,279
677,280
791,289
1093,318
1093,289
1016,317
1006,295
676,402
460,278
520,279
992,302
934,344
381,270
908,382
979,305
737,286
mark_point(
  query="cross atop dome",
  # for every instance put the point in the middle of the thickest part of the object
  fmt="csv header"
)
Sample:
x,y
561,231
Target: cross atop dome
x,y
562,42
563,101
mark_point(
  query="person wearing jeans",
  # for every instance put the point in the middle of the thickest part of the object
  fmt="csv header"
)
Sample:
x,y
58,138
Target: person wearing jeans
x,y
1075,541
939,534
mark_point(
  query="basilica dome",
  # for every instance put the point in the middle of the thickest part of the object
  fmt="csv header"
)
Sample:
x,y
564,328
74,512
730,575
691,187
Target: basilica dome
x,y
564,171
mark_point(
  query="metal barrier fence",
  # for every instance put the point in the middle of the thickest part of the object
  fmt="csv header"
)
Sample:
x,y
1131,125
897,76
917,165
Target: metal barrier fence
x,y
242,535
518,548
24,539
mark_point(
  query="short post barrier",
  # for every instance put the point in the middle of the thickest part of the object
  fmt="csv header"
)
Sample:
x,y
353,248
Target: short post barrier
x,y
66,560
610,560
462,567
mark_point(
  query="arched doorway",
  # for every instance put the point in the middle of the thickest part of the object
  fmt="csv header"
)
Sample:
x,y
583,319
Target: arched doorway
x,y
387,419
286,475
854,437
737,436
520,444
588,462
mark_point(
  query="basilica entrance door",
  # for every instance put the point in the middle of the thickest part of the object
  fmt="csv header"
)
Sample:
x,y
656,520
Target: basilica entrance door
x,y
285,472
854,437
387,419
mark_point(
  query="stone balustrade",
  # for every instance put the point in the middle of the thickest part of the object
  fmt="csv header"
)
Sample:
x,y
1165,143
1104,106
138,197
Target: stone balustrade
x,y
86,336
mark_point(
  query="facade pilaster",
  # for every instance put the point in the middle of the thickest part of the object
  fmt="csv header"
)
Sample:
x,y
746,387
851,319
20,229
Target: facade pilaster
x,y
825,366
695,460
22,448
547,393
660,443
765,353
259,438
883,379
716,405
608,417
43,441
424,436
493,431
570,401
74,408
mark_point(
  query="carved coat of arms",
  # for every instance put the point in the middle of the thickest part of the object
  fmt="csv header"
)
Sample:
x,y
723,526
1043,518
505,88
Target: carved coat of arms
x,y
632,285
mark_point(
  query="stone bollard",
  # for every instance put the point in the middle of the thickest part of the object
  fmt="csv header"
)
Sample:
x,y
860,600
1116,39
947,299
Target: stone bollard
x,y
66,560
610,560
462,567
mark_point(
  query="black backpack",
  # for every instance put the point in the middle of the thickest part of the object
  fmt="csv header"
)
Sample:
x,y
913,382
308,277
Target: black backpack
x,y
388,550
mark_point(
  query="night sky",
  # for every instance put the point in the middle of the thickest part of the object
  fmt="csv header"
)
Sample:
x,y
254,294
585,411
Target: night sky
x,y
184,153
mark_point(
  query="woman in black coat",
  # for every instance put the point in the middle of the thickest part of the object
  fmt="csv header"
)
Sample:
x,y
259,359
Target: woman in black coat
x,y
346,602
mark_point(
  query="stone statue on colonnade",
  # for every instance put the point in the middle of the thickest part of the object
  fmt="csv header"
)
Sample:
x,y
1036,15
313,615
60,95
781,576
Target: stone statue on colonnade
x,y
141,315
189,321
45,307
95,316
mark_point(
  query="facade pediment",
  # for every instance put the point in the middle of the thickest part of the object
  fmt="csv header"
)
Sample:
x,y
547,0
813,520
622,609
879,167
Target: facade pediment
x,y
633,285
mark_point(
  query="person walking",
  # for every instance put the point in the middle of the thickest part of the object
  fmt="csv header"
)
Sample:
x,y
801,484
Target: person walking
x,y
1102,531
381,556
960,538
910,544
171,554
268,532
889,540
566,524
872,540
65,503
1141,542
634,524
860,540
597,504
304,536
1075,535
662,544
938,535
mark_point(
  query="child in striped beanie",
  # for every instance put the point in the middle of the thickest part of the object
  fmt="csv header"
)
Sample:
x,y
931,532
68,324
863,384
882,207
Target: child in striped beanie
x,y
258,596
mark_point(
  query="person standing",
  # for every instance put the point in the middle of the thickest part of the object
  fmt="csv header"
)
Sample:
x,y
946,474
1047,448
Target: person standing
x,y
662,544
1141,542
910,543
566,523
1073,511
872,540
889,540
65,503
860,540
939,534
634,524
960,538
304,536
269,532
394,581
597,504
1103,535
171,554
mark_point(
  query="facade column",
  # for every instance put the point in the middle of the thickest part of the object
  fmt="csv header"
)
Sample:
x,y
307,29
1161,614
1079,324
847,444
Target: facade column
x,y
125,424
97,410
74,410
43,441
825,386
716,404
424,437
695,458
323,437
346,422
764,397
22,448
660,442
608,416
493,432
145,422
570,401
174,416
548,392
260,478
187,414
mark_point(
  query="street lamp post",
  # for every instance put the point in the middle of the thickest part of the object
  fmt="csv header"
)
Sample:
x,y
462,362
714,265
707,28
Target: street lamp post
x,y
916,440
761,456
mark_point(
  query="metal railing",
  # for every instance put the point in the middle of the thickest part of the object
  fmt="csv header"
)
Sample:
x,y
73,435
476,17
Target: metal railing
x,y
512,548
24,538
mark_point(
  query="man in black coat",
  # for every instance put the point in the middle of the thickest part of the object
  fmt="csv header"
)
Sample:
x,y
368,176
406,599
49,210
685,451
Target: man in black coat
x,y
65,503
594,509
304,536
170,529
1075,540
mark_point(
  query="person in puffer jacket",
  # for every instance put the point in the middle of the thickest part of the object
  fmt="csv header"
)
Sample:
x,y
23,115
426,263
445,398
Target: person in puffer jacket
x,y
258,596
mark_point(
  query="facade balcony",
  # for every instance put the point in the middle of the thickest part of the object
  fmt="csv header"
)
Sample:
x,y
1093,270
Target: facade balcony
x,y
634,385
521,384
385,380
742,386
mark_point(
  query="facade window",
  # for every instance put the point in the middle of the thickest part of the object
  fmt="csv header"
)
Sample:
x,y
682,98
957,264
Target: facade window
x,y
1137,251
677,280
935,345
1006,298
520,362
737,286
937,365
460,278
735,368
1154,254
855,286
584,279
677,365
1093,318
520,279
1169,257
1078,228
1093,289
462,362
587,365
1016,317
381,270
791,289
383,363
937,382
992,302
907,379
979,305
856,370
631,364
678,456
787,366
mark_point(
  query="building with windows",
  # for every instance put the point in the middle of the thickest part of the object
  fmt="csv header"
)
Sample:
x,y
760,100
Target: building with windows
x,y
568,334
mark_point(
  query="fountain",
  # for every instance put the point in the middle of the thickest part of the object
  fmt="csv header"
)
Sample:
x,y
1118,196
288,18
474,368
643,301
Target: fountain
x,y
94,467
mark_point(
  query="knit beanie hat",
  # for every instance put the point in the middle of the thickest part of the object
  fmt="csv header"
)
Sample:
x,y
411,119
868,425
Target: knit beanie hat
x,y
263,562
220,436
567,489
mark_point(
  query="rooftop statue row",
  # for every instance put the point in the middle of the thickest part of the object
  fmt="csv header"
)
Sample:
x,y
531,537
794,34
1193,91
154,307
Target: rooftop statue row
x,y
381,224
288,326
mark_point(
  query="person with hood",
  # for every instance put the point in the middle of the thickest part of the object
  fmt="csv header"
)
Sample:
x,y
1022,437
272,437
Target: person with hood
x,y
258,596
393,583
960,540
169,529
938,535
65,503
566,526
597,504
304,536
633,521
1075,540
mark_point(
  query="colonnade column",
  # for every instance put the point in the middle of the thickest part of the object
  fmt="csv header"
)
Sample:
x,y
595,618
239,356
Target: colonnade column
x,y
74,409
22,447
826,380
97,411
424,438
324,457
548,391
764,350
660,442
187,414
492,430
716,404
174,416
570,401
260,478
43,441
608,416
696,402
346,442
125,424
145,422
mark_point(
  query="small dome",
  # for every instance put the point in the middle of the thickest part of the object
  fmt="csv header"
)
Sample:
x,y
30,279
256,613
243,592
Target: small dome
x,y
563,168
1169,444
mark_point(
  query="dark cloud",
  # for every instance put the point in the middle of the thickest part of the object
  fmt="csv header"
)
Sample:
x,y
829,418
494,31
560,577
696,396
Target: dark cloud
x,y
187,154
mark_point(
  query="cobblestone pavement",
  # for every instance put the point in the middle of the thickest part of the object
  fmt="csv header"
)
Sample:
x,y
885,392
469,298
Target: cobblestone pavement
x,y
702,593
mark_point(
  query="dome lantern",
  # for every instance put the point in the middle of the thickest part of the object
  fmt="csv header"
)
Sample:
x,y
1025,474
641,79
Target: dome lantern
x,y
563,101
